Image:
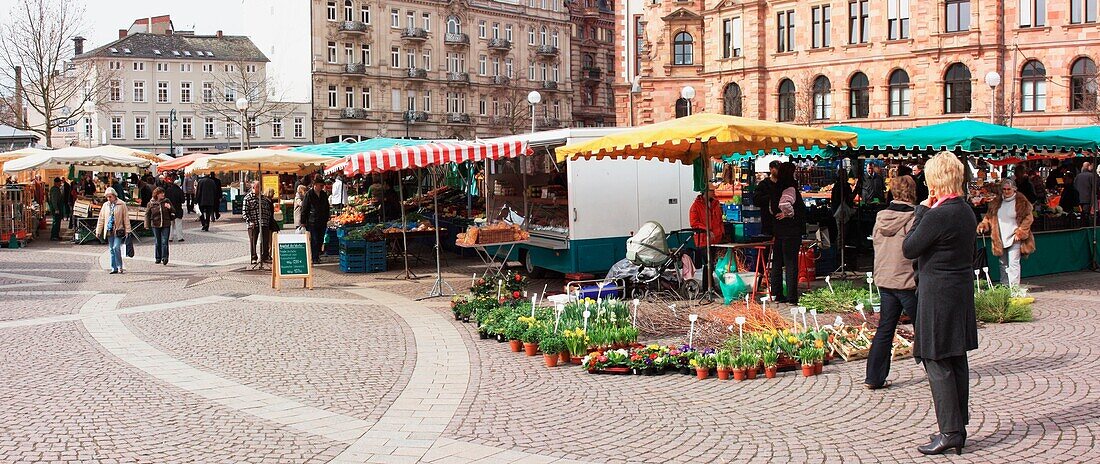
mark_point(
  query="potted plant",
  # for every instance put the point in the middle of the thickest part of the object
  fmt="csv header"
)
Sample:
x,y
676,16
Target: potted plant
x,y
702,365
752,362
724,360
530,339
739,366
819,360
513,332
771,360
806,356
551,345
576,342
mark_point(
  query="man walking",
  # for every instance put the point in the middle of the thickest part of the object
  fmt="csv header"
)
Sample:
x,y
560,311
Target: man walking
x,y
1085,184
253,218
209,194
874,186
57,208
174,194
189,192
315,215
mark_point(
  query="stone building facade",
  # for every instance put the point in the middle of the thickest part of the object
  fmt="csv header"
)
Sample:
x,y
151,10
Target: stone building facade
x,y
593,62
427,69
885,64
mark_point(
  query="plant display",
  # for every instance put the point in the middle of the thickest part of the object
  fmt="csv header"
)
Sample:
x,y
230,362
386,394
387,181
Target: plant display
x,y
552,344
842,298
576,341
724,360
514,330
770,358
998,305
370,233
532,335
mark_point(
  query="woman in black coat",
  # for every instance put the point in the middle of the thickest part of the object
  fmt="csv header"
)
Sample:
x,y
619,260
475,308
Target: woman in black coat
x,y
941,241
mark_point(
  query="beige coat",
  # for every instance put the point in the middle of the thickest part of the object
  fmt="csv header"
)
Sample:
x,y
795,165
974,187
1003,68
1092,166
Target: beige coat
x,y
1024,219
892,270
122,218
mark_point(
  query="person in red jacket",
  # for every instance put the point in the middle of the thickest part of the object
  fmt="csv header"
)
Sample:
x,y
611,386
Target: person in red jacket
x,y
697,218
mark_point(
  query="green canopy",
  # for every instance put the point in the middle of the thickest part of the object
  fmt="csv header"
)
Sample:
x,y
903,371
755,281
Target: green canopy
x,y
873,135
342,149
971,137
1088,132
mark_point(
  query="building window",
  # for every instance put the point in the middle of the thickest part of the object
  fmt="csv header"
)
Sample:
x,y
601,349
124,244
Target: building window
x,y
332,52
395,18
409,22
208,92
185,92
481,29
349,97
230,93
683,107
1033,87
185,67
139,128
481,107
1082,11
823,98
508,32
277,127
116,128
1083,85
481,66
899,93
958,15
897,22
114,92
367,104
427,20
139,66
1033,13
139,91
531,35
859,96
349,11
554,38
332,96
365,52
542,36
331,11
252,126
785,30
731,38
364,14
822,25
163,130
188,125
682,49
956,89
162,92
426,58
349,53
453,25
395,57
299,128
639,41
731,100
208,127
859,21
495,31
786,101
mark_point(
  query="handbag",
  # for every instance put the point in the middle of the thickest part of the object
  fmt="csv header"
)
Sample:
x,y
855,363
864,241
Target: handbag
x,y
129,246
120,233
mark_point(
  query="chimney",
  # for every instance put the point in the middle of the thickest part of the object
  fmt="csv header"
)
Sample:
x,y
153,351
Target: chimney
x,y
122,33
19,96
78,45
219,34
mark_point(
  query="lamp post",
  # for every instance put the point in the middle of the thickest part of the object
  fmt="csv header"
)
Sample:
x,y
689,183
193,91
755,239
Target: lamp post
x,y
172,132
242,106
993,80
688,93
533,98
89,109
218,136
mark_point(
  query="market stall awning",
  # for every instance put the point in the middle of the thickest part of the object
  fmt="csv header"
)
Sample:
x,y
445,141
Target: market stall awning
x,y
20,153
117,150
181,162
342,149
972,137
78,156
1088,133
259,159
681,140
429,154
865,137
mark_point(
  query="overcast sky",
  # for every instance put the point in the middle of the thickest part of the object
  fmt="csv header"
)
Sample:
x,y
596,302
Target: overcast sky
x,y
106,17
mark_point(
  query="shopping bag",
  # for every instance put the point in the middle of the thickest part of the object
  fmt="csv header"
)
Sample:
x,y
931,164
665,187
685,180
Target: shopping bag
x,y
129,246
731,284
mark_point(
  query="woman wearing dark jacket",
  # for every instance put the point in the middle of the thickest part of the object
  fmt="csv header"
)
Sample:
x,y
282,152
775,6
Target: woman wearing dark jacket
x,y
790,224
942,242
159,214
894,275
843,194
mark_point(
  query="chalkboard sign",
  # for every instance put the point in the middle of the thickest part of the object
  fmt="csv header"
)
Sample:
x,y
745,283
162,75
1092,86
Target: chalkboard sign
x,y
292,258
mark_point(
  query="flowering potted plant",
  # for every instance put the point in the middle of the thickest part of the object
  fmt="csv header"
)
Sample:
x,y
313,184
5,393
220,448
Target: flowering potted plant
x,y
807,355
551,345
703,364
514,333
819,360
724,360
771,359
683,356
576,341
739,363
531,338
752,363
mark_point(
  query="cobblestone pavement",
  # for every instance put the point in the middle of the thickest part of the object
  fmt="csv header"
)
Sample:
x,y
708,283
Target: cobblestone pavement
x,y
201,361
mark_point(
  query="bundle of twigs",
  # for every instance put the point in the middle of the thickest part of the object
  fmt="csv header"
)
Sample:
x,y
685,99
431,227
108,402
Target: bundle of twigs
x,y
756,318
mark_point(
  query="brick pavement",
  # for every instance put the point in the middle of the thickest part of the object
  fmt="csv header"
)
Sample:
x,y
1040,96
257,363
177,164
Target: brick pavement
x,y
198,361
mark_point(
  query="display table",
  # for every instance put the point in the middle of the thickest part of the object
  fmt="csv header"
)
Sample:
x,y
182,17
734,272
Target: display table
x,y
396,244
496,260
1056,251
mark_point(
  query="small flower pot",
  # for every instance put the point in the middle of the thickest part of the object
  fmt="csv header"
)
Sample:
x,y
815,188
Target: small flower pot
x,y
531,349
578,360
818,366
769,372
738,374
750,373
515,345
723,374
807,370
702,373
564,355
551,360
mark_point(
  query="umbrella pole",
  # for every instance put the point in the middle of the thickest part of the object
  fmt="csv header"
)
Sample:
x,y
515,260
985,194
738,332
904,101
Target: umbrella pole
x,y
708,274
437,288
408,274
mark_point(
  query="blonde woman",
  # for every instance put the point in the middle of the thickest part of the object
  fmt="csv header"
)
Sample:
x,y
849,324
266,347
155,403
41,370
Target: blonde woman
x,y
299,197
941,241
112,226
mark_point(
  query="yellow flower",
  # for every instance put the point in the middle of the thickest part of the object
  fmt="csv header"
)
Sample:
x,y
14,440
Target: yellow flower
x,y
792,339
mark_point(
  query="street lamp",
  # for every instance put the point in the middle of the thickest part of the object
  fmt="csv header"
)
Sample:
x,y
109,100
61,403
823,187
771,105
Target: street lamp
x,y
533,98
993,80
242,106
688,93
172,132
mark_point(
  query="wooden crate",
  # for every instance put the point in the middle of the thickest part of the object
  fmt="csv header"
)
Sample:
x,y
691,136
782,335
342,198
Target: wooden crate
x,y
495,236
902,348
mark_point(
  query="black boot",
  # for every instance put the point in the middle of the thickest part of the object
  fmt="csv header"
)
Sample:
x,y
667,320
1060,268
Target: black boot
x,y
943,442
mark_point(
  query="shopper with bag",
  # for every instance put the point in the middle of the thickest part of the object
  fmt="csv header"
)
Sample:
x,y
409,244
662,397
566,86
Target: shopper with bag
x,y
299,199
209,197
174,194
790,224
113,226
315,216
159,215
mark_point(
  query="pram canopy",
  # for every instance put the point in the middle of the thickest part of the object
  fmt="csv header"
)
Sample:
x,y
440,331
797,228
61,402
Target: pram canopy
x,y
649,246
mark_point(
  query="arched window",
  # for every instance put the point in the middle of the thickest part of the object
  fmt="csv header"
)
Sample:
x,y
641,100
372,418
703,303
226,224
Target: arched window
x,y
956,89
786,100
1033,87
588,61
681,49
823,98
1083,85
542,36
454,25
899,93
859,96
731,100
681,107
348,13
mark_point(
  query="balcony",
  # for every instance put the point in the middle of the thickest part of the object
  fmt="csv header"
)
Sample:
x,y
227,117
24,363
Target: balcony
x,y
354,27
547,123
457,39
591,74
546,50
416,74
503,121
353,113
500,45
414,34
458,118
415,116
355,68
550,85
458,78
500,80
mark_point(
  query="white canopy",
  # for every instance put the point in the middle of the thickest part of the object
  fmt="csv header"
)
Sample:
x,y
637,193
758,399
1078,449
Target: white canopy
x,y
260,159
78,156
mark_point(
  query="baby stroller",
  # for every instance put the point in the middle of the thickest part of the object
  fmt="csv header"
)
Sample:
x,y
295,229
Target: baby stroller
x,y
661,274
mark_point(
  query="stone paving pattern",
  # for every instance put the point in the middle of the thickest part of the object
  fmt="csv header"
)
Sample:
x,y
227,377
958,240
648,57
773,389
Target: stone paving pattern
x,y
201,362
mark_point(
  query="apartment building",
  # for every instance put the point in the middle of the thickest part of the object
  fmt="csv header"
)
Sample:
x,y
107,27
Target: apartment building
x,y
889,64
593,62
175,91
460,69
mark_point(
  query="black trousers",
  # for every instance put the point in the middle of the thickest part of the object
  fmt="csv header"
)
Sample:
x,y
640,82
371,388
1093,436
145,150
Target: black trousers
x,y
785,264
950,382
265,243
206,213
317,240
190,199
893,303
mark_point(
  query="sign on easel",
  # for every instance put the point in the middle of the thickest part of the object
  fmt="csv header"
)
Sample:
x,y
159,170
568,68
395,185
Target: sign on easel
x,y
292,259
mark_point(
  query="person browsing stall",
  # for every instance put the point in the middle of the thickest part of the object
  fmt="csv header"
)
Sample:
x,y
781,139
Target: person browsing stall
x,y
1008,222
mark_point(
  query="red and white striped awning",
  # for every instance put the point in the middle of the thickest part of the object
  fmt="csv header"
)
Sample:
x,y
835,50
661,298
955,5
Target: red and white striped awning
x,y
429,154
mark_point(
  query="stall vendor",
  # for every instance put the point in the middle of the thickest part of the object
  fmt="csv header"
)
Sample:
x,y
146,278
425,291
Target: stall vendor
x,y
697,218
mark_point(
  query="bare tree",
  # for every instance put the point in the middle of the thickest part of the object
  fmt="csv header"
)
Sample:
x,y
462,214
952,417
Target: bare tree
x,y
1089,100
266,102
515,116
37,40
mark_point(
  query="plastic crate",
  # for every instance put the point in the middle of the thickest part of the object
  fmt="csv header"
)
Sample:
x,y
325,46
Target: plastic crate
x,y
354,264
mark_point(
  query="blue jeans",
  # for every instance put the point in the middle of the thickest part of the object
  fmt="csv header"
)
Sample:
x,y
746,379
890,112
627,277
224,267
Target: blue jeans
x,y
115,244
893,303
160,242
